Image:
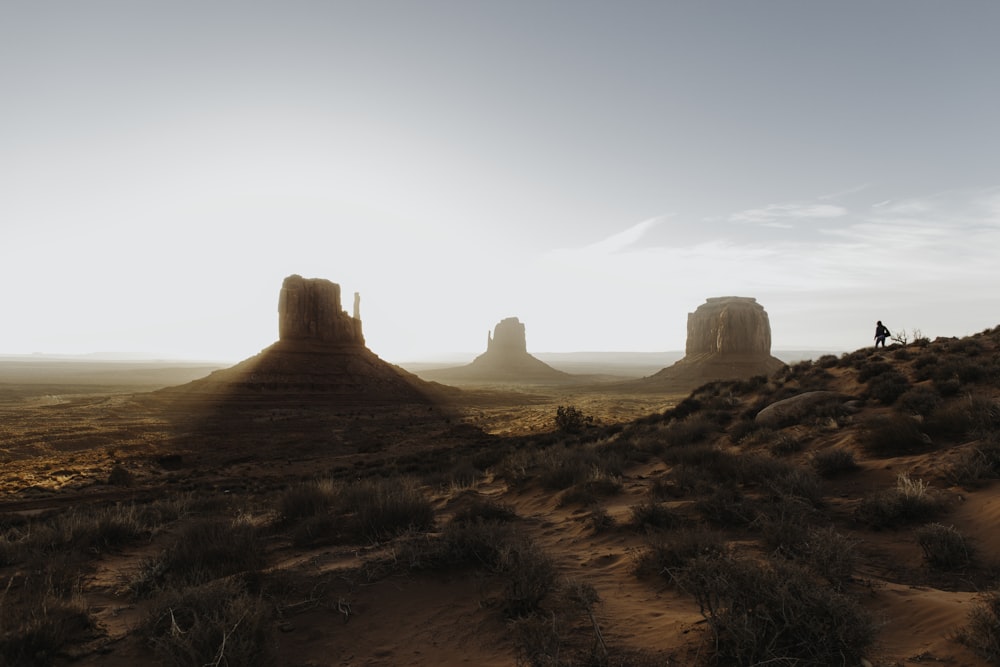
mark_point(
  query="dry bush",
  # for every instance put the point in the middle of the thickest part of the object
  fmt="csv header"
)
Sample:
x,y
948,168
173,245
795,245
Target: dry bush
x,y
783,444
689,430
892,435
306,500
485,510
384,508
977,464
831,555
570,419
563,467
199,552
653,515
120,476
599,520
944,547
590,491
833,461
975,414
910,501
727,507
669,555
886,388
919,401
34,633
982,633
775,612
215,624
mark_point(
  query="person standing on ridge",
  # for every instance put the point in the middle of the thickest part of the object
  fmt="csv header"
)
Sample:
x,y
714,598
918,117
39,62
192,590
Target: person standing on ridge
x,y
881,333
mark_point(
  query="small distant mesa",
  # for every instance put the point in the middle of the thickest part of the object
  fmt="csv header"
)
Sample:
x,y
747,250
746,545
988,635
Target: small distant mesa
x,y
728,338
320,355
506,359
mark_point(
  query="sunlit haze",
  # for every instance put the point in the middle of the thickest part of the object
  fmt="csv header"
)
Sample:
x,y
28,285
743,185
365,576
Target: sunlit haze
x,y
595,169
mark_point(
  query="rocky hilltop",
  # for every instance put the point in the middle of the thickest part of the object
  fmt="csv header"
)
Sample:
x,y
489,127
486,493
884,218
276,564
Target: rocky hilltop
x,y
506,359
728,338
320,355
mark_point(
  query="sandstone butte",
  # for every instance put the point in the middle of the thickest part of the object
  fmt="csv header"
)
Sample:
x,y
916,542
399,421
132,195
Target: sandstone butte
x,y
506,359
320,355
728,338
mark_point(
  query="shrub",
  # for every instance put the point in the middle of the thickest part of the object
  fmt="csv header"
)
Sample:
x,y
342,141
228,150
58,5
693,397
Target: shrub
x,y
653,515
830,555
976,464
485,510
588,492
530,576
872,369
36,636
944,547
669,555
892,435
727,507
570,419
833,461
563,467
306,500
384,508
919,401
982,633
199,552
215,624
910,501
120,476
783,444
888,387
774,612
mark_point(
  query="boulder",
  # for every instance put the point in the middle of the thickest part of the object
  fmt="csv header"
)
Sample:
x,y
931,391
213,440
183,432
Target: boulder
x,y
795,409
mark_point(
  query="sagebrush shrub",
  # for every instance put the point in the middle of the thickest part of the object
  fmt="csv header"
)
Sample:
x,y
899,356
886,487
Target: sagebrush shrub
x,y
774,612
982,633
944,547
833,461
892,435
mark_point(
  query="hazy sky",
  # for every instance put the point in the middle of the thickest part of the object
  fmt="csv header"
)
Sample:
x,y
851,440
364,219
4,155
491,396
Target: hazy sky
x,y
597,169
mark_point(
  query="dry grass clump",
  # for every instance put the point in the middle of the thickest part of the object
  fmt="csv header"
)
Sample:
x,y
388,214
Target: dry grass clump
x,y
776,612
219,623
944,547
34,633
982,633
910,501
324,512
590,491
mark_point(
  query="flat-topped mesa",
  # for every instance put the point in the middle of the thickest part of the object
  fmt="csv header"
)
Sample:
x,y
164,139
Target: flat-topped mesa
x,y
309,309
728,325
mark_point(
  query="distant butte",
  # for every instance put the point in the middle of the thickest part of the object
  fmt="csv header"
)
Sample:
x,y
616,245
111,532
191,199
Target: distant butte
x,y
728,338
320,356
506,359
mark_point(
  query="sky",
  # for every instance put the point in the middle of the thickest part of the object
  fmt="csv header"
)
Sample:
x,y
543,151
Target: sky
x,y
597,169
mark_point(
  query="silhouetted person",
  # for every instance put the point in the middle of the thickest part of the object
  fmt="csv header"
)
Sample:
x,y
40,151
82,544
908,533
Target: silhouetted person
x,y
881,333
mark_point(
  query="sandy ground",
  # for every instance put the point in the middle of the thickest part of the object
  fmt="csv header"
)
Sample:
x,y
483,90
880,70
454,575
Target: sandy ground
x,y
58,448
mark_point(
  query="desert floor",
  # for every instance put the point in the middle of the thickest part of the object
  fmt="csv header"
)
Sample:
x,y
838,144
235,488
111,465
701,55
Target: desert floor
x,y
576,559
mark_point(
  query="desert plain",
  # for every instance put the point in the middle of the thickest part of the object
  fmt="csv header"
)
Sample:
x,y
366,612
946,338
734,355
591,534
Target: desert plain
x,y
507,524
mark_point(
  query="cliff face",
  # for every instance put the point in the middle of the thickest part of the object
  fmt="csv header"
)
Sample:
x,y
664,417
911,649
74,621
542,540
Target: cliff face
x,y
728,325
508,338
310,310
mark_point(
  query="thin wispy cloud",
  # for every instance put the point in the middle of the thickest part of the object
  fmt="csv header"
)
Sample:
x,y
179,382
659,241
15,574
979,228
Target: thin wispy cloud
x,y
784,215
